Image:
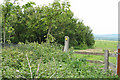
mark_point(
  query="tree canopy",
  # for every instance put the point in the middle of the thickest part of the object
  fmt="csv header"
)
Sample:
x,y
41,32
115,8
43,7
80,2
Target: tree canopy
x,y
46,23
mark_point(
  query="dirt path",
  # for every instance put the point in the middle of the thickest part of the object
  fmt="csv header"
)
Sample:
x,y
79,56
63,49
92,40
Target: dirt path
x,y
97,50
92,50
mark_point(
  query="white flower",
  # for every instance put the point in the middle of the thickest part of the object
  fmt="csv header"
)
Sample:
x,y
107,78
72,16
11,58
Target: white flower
x,y
17,70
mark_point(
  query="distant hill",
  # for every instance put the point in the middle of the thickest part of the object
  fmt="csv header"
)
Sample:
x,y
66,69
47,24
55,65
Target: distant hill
x,y
113,37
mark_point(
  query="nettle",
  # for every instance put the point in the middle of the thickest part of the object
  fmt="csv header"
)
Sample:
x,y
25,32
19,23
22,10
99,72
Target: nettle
x,y
33,60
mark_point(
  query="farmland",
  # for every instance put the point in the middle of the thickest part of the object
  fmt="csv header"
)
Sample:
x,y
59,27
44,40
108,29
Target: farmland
x,y
99,47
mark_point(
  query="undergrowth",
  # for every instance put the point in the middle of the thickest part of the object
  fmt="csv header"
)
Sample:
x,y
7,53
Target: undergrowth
x,y
45,60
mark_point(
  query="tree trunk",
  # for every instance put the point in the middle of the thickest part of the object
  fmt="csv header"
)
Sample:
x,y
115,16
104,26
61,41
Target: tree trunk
x,y
49,30
4,31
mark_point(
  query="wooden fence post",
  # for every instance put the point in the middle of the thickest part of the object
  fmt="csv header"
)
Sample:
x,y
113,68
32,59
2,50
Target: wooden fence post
x,y
118,60
118,52
66,46
106,60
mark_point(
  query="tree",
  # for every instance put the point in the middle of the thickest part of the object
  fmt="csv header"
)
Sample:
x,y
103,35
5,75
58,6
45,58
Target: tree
x,y
7,11
47,23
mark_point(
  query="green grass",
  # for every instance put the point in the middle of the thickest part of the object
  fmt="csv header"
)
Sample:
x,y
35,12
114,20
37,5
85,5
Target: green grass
x,y
95,57
99,47
106,45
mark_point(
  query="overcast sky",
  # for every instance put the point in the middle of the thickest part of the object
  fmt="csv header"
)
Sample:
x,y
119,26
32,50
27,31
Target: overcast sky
x,y
100,15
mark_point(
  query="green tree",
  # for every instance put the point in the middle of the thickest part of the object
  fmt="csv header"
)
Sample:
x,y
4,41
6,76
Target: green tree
x,y
51,23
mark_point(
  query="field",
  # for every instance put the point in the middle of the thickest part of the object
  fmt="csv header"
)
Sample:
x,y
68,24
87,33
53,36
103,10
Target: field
x,y
99,47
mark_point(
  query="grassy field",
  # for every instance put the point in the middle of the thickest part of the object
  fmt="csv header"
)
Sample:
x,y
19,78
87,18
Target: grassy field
x,y
100,46
106,45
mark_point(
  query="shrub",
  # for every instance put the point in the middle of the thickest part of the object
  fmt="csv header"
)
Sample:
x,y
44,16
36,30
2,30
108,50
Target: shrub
x,y
45,60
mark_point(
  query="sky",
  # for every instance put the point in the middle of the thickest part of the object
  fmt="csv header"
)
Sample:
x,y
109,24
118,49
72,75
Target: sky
x,y
100,15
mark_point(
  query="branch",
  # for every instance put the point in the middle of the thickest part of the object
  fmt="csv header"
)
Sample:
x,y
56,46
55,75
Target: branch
x,y
53,74
38,67
29,65
55,68
14,1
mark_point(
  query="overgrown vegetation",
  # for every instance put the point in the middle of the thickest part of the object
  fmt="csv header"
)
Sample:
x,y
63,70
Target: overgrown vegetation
x,y
51,23
44,60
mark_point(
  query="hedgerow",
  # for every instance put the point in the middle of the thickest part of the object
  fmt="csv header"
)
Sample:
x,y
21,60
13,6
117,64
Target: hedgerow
x,y
45,60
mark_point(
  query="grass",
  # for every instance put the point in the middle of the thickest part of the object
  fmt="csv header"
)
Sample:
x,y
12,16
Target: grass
x,y
100,46
95,57
106,45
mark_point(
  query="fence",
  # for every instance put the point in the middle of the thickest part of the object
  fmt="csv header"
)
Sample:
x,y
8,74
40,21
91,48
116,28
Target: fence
x,y
106,55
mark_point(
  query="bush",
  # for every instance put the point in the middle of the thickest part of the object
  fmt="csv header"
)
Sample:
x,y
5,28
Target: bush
x,y
44,60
